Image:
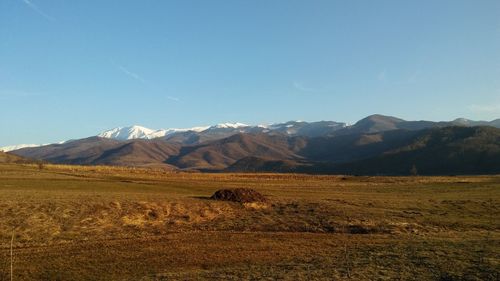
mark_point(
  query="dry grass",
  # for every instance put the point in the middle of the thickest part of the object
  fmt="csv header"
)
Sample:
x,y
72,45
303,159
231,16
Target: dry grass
x,y
116,223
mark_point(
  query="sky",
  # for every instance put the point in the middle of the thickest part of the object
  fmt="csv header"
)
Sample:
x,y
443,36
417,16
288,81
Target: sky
x,y
71,69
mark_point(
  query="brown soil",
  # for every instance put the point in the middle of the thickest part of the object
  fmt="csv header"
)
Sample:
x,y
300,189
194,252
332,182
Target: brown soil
x,y
241,195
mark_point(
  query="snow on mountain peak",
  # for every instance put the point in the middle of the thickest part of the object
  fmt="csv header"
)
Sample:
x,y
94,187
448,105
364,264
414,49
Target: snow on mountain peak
x,y
18,146
194,129
230,125
132,132
140,132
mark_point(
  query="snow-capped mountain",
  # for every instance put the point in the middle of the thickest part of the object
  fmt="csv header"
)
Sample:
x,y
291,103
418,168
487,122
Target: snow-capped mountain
x,y
132,132
139,132
292,128
196,135
224,128
17,146
229,126
310,129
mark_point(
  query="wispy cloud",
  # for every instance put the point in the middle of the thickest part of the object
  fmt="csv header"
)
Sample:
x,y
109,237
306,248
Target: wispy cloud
x,y
173,98
306,88
139,78
35,8
301,87
131,74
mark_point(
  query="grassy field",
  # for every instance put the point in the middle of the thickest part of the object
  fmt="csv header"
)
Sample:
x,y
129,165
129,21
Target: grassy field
x,y
102,223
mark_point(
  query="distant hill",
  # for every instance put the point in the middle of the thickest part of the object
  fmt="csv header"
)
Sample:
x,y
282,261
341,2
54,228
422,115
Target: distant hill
x,y
470,123
83,151
103,151
437,151
375,145
258,164
380,123
347,148
219,154
12,158
139,153
450,150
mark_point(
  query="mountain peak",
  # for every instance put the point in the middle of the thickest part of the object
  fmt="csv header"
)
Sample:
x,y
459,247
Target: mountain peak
x,y
131,132
382,118
230,125
463,121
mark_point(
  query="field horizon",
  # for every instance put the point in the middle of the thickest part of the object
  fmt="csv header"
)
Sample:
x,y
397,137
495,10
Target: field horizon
x,y
118,223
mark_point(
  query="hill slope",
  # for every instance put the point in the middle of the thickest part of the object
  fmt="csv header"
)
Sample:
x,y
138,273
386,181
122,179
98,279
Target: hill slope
x,y
380,123
450,150
103,151
220,154
437,151
12,158
347,148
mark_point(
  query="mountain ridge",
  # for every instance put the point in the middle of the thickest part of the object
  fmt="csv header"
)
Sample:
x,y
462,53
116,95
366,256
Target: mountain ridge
x,y
199,134
366,147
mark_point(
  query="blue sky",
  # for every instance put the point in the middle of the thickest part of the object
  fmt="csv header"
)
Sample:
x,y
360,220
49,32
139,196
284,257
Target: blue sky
x,y
70,69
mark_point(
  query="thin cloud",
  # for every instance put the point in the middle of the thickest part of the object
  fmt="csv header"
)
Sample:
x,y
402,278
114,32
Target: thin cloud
x,y
37,10
301,87
139,78
131,74
173,98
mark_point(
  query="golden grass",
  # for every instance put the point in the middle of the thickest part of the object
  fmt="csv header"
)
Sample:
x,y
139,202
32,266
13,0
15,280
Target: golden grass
x,y
118,223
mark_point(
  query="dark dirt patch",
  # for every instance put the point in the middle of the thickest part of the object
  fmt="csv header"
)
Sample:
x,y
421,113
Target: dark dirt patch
x,y
241,195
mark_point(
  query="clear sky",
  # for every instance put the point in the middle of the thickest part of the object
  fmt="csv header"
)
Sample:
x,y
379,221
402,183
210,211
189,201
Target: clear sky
x,y
70,69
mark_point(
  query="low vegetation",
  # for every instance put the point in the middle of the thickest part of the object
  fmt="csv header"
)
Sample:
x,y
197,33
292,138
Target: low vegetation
x,y
117,223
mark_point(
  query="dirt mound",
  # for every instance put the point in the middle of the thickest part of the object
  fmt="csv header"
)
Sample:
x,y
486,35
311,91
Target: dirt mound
x,y
242,195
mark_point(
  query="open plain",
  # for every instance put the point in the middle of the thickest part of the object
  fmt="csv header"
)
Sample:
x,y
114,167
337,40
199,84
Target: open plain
x,y
105,223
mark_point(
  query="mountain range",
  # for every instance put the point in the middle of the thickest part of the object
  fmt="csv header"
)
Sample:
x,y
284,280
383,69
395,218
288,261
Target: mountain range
x,y
376,144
